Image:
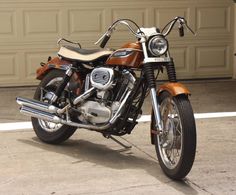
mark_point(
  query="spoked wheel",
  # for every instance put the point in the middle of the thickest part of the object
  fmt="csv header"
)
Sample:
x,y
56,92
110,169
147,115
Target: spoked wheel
x,y
176,145
46,131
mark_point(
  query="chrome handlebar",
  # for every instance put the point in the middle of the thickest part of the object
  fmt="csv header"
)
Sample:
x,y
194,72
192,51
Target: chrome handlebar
x,y
113,27
181,21
139,34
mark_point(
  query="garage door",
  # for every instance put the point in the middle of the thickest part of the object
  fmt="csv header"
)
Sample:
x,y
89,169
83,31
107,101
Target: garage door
x,y
29,30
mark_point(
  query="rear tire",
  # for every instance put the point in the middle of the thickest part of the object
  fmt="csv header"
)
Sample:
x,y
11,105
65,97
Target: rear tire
x,y
176,147
63,132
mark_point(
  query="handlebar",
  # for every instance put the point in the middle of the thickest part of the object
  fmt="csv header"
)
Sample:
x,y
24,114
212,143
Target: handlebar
x,y
182,22
139,34
106,36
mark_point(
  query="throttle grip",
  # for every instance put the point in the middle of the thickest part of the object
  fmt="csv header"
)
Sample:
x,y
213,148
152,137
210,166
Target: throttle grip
x,y
181,31
104,41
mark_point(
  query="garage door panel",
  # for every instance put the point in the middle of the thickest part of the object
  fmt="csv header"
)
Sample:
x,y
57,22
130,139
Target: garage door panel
x,y
138,15
7,21
213,20
30,28
164,15
212,58
38,23
86,21
33,60
180,56
9,66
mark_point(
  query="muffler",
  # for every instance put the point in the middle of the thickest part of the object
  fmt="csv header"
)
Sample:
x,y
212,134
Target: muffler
x,y
42,106
47,112
55,119
40,114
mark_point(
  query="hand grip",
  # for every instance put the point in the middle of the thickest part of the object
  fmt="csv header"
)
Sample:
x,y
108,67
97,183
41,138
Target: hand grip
x,y
181,31
104,41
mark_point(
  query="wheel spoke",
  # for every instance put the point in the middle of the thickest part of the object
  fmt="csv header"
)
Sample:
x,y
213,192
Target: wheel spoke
x,y
170,147
51,86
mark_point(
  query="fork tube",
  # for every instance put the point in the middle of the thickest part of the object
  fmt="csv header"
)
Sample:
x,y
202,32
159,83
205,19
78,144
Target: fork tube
x,y
149,73
156,109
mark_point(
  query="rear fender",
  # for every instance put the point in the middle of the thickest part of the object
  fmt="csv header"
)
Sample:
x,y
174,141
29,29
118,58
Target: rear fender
x,y
55,63
174,89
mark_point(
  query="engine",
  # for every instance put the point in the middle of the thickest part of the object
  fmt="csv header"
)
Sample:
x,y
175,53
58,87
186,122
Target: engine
x,y
111,89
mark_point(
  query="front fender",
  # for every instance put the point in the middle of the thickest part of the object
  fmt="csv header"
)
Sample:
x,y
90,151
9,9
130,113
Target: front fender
x,y
174,89
55,63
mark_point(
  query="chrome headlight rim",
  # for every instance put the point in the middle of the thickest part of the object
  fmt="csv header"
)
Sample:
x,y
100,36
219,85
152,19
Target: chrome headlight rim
x,y
154,39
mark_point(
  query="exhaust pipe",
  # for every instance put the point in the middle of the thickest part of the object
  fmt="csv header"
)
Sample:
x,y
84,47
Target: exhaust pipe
x,y
40,114
55,119
42,106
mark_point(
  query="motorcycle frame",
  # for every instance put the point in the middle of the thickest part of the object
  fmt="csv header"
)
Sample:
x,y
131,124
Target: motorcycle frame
x,y
149,63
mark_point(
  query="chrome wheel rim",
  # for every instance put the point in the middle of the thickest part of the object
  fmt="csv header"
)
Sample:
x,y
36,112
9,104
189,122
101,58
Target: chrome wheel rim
x,y
170,141
46,125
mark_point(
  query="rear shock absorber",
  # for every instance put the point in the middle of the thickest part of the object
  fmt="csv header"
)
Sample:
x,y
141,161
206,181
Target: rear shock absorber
x,y
170,67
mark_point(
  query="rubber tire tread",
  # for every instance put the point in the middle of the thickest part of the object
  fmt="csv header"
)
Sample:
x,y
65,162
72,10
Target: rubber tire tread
x,y
189,138
62,134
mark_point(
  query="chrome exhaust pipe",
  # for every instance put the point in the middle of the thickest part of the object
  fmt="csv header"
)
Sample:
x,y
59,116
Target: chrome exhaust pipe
x,y
40,114
42,106
55,119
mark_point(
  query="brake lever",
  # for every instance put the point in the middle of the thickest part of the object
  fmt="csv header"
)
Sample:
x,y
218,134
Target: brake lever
x,y
191,30
188,27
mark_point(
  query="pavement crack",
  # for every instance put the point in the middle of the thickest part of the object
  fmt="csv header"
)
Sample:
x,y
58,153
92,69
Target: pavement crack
x,y
120,189
198,186
141,150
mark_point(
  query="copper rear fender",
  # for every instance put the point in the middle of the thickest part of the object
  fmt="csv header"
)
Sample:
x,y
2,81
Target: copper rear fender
x,y
54,63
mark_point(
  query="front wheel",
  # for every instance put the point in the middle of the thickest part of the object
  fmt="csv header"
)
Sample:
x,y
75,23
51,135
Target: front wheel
x,y
176,145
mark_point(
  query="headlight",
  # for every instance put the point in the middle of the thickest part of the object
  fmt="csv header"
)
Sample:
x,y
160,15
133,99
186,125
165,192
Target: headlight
x,y
157,45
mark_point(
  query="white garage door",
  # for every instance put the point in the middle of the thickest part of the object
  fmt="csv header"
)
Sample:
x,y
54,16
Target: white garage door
x,y
29,30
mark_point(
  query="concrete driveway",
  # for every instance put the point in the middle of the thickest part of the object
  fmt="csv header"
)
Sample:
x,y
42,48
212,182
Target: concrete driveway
x,y
91,164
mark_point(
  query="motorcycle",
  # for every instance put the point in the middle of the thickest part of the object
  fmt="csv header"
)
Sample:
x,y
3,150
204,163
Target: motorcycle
x,y
103,90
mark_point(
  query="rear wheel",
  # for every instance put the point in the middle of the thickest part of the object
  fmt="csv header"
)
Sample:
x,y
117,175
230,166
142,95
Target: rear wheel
x,y
176,145
50,132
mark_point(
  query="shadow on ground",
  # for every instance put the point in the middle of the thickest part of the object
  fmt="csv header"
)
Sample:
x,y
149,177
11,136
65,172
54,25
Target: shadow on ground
x,y
85,151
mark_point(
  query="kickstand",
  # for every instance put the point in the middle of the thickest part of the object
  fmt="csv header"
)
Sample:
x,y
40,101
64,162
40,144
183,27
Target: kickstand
x,y
118,142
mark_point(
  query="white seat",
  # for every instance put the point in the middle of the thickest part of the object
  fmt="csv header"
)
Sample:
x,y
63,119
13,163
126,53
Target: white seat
x,y
84,55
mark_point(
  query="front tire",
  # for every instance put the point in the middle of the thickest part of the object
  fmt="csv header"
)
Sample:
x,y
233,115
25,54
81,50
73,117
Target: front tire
x,y
176,145
49,132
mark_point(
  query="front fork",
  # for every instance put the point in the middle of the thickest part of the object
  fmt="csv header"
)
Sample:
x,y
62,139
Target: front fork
x,y
156,109
149,75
